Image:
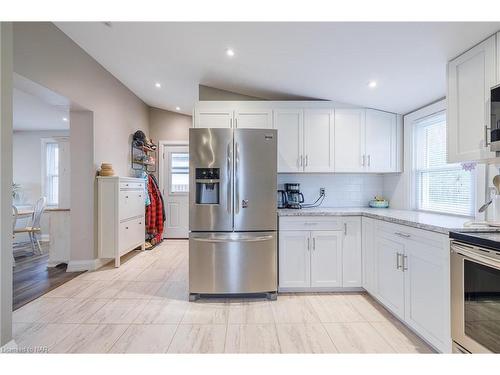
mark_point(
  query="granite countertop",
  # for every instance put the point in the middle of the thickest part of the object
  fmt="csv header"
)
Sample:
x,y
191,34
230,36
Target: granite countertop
x,y
434,222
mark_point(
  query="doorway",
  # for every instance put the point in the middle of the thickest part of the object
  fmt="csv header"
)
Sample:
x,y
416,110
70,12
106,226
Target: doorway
x,y
174,180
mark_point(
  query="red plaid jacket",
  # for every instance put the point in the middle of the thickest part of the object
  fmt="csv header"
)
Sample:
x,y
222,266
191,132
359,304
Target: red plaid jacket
x,y
154,212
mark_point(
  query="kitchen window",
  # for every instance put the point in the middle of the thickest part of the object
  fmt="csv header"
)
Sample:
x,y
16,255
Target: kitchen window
x,y
179,172
439,187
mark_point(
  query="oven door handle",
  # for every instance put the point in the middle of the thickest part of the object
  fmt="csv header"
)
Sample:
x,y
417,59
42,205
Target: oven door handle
x,y
466,252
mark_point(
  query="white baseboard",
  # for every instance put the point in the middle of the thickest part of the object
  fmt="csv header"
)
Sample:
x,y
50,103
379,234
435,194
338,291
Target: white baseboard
x,y
10,347
320,289
86,265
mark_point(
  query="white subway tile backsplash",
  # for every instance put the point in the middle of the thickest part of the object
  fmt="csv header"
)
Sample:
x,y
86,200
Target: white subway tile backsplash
x,y
342,190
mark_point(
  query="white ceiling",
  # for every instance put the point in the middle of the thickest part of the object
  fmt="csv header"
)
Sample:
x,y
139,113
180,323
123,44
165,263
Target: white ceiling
x,y
331,61
36,108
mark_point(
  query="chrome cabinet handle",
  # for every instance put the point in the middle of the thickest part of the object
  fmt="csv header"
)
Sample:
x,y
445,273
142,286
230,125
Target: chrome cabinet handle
x,y
308,247
363,160
398,261
310,223
401,234
231,123
369,160
237,177
314,243
228,158
486,129
405,262
345,229
236,122
300,161
307,161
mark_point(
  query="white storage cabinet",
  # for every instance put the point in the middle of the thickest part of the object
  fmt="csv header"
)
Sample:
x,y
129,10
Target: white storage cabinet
x,y
121,216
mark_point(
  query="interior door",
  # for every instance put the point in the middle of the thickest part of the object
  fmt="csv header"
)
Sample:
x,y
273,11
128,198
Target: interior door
x,y
254,119
470,77
390,275
289,124
318,140
294,259
255,180
326,258
381,137
349,142
176,191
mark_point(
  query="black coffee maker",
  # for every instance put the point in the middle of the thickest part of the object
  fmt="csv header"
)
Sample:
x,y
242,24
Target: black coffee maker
x,y
294,198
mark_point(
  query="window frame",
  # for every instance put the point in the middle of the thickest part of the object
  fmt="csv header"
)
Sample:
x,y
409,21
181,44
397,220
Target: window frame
x,y
44,176
427,112
169,187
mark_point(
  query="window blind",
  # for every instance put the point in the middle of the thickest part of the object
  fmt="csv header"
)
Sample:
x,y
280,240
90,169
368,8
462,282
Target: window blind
x,y
440,187
52,173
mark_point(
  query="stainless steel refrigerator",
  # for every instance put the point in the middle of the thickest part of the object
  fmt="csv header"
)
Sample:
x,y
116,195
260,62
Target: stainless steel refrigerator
x,y
232,212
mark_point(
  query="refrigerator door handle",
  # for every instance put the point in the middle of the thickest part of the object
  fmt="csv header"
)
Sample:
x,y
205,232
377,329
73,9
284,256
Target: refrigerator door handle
x,y
236,178
229,172
233,239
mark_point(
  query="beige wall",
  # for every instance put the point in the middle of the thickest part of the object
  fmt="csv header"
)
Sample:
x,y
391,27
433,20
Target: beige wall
x,y
168,126
5,183
47,56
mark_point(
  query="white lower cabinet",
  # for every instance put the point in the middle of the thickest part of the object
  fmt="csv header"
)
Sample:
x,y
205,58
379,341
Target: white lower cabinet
x,y
408,271
326,258
295,262
389,276
318,252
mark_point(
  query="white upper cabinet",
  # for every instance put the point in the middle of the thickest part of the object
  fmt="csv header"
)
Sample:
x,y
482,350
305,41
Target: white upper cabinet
x,y
470,78
253,119
290,126
381,141
318,140
315,137
213,118
349,144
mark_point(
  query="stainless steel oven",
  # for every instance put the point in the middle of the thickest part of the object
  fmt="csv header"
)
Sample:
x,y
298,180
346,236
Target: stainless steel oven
x,y
495,119
475,298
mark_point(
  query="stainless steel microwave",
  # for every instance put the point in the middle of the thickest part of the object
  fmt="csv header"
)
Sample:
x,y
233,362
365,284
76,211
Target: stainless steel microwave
x,y
495,119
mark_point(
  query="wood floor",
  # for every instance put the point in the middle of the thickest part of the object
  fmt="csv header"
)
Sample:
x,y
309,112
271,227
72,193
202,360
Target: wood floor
x,y
32,278
142,307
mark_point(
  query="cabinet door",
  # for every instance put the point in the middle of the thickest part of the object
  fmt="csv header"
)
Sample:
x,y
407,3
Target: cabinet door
x,y
294,259
289,123
381,139
470,77
212,118
351,253
427,291
390,277
349,140
253,119
318,140
368,255
326,259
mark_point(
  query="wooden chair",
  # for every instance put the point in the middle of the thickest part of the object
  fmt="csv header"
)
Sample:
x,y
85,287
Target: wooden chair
x,y
34,228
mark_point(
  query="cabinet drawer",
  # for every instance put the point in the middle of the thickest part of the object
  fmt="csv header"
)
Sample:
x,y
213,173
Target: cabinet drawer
x,y
311,223
403,233
131,186
131,204
130,233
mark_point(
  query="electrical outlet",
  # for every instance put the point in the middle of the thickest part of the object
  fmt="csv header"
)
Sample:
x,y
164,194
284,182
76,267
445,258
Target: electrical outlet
x,y
322,192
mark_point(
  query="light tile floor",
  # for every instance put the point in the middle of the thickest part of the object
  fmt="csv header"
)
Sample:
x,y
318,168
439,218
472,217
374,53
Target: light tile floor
x,y
142,307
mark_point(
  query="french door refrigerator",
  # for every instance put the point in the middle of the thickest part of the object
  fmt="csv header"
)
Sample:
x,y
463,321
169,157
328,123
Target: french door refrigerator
x,y
232,212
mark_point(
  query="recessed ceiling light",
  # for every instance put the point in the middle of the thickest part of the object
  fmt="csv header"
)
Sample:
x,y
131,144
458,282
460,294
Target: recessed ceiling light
x,y
65,119
177,108
372,84
230,52
158,85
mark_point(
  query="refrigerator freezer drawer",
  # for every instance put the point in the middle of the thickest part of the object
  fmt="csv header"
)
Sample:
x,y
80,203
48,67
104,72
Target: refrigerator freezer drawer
x,y
232,263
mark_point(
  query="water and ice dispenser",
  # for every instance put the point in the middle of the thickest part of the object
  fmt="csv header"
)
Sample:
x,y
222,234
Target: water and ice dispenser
x,y
207,185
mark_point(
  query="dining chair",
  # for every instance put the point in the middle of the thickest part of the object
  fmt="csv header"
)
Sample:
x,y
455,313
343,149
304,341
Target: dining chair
x,y
34,228
15,213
